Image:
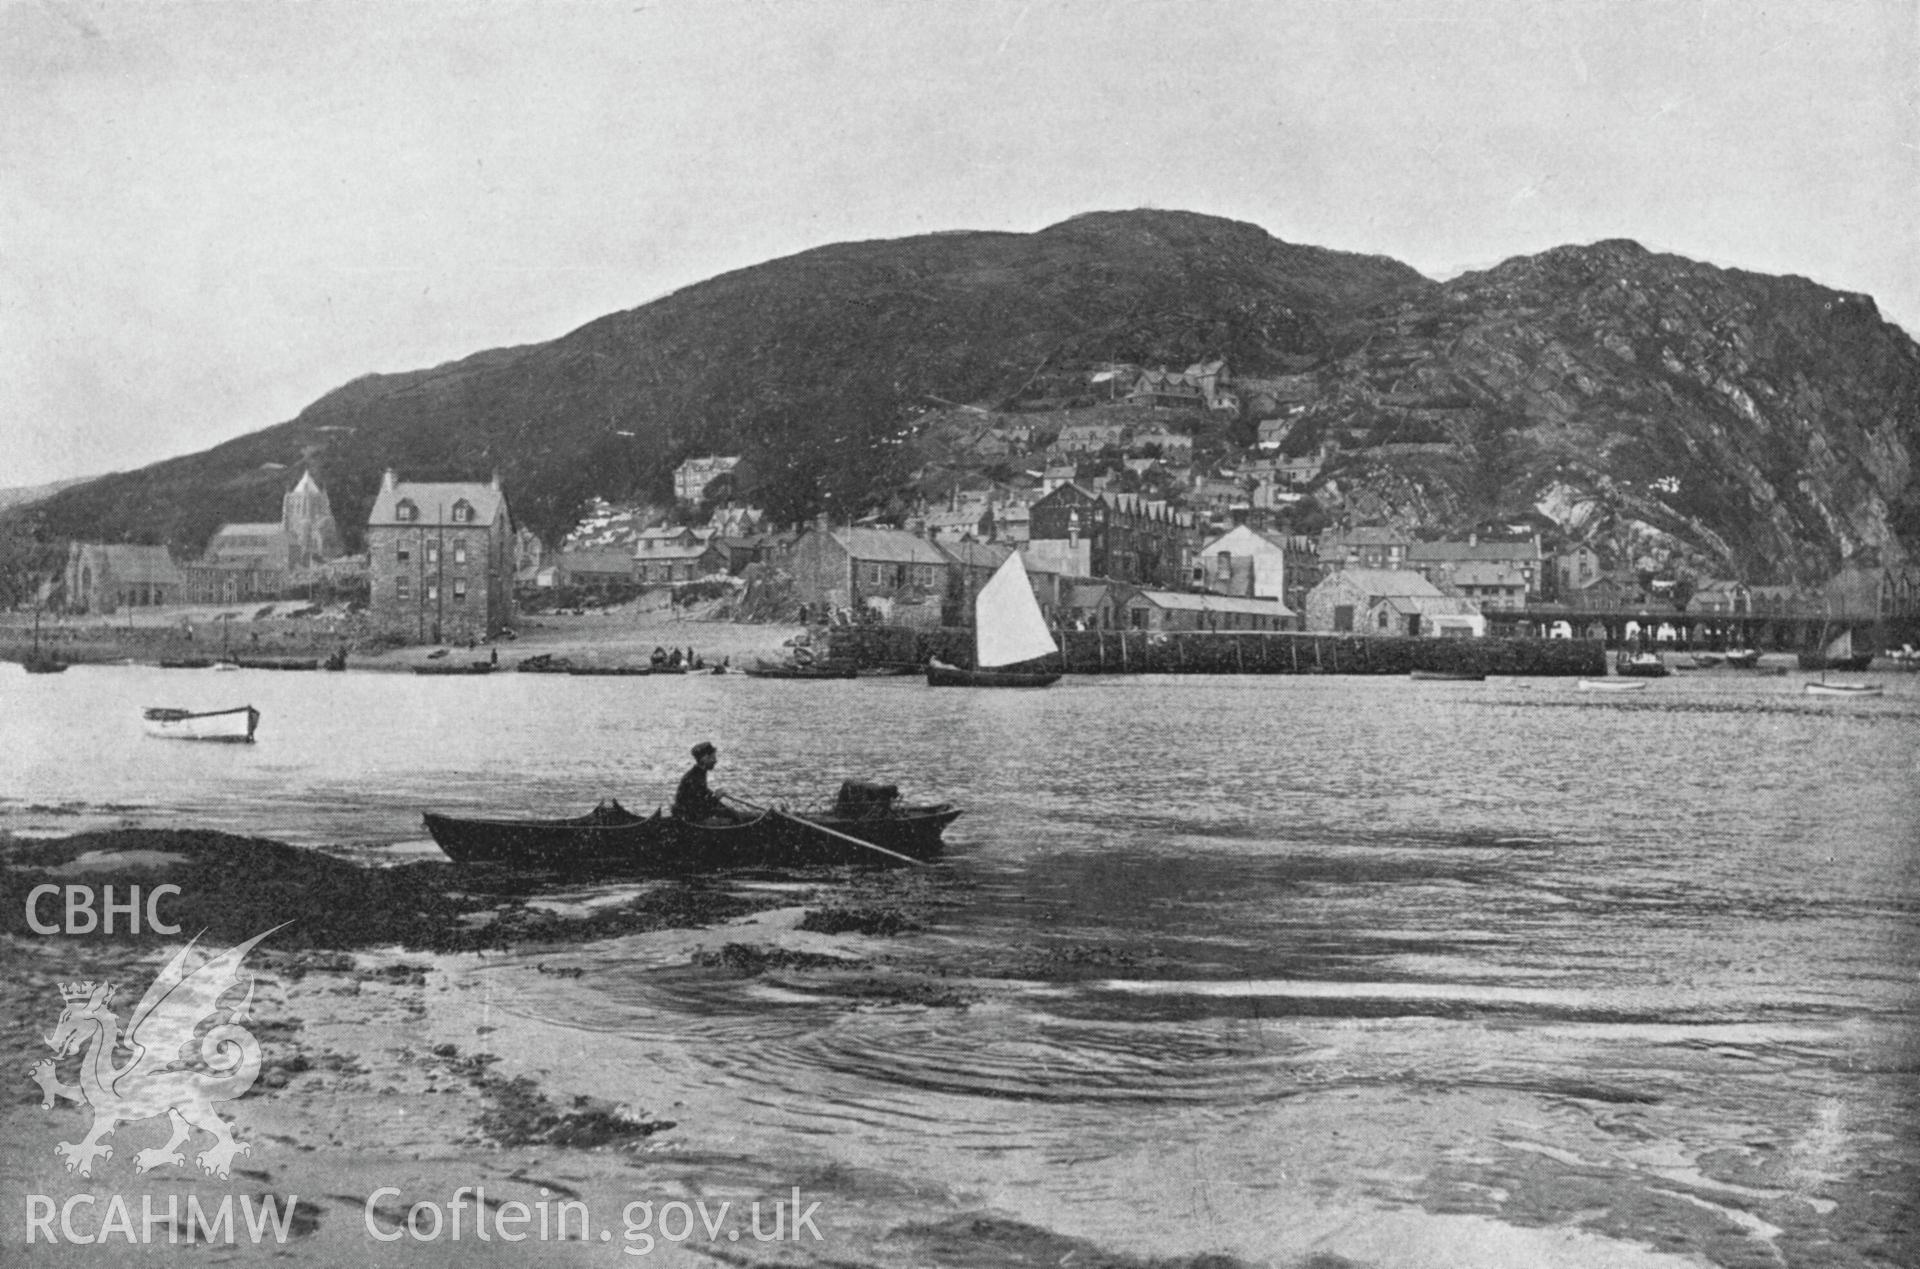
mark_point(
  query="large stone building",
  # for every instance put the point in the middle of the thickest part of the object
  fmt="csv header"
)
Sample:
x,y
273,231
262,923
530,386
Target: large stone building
x,y
893,571
1129,539
106,577
691,478
440,560
1388,601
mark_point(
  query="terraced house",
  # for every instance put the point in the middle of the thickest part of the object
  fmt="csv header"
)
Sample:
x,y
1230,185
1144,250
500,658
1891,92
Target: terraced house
x,y
440,560
1129,538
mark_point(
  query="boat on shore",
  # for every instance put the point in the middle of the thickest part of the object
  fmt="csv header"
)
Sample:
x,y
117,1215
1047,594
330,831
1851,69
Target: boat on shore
x,y
1445,676
1819,688
1009,630
1740,658
1641,665
1612,685
276,663
234,726
812,670
612,838
606,671
476,667
186,663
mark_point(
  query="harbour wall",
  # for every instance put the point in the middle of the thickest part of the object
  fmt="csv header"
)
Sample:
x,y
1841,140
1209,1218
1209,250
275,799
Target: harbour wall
x,y
1238,652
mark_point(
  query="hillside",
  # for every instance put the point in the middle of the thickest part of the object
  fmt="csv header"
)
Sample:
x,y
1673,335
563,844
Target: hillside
x,y
1760,425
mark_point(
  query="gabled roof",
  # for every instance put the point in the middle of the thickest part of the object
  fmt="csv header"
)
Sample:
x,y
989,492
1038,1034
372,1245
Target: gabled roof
x,y
269,528
125,562
692,551
1483,573
977,554
1383,582
1460,552
1181,601
436,501
888,546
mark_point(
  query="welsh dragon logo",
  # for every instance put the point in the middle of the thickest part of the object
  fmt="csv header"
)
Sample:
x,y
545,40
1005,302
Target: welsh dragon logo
x,y
156,1079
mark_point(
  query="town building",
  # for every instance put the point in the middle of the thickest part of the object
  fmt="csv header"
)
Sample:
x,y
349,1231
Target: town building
x,y
1368,546
1491,586
1088,438
1439,562
106,577
1129,538
1181,610
852,568
1575,569
1389,602
663,563
595,567
1242,562
691,478
441,559
1202,385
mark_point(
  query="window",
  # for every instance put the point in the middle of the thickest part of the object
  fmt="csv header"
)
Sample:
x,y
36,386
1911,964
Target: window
x,y
459,552
402,588
1343,618
463,512
433,591
403,554
1225,567
459,588
433,553
405,510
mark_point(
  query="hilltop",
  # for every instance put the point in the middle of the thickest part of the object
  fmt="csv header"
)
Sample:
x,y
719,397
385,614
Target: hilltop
x,y
1764,425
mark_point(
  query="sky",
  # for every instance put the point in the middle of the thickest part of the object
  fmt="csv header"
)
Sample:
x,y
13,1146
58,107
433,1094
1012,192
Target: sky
x,y
213,213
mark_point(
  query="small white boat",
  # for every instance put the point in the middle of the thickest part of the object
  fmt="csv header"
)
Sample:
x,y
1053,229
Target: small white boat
x,y
1843,689
232,725
1613,685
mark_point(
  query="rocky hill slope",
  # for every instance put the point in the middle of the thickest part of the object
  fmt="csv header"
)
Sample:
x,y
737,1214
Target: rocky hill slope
x,y
1764,425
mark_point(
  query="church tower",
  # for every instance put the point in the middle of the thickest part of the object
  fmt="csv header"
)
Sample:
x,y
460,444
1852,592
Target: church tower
x,y
307,517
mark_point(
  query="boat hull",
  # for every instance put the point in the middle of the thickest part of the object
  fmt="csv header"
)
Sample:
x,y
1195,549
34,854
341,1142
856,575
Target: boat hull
x,y
613,839
1844,689
1444,676
1613,685
940,674
230,726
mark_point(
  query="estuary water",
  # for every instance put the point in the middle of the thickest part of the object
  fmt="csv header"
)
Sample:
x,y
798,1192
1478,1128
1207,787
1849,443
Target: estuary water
x,y
1385,971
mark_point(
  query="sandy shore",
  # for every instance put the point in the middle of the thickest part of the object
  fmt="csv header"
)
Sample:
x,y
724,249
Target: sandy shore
x,y
388,1079
622,636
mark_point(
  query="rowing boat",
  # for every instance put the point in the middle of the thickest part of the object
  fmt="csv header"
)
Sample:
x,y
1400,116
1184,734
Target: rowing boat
x,y
610,837
1445,676
234,726
1844,689
1613,685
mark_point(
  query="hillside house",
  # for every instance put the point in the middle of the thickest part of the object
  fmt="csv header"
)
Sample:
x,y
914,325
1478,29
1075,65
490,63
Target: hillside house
x,y
691,478
595,567
106,577
1171,446
1355,600
440,559
1575,569
662,564
1089,438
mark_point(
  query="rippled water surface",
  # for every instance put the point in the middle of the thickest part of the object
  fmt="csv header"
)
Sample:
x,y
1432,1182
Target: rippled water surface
x,y
1244,956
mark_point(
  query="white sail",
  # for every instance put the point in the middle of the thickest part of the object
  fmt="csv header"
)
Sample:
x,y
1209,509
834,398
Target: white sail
x,y
1842,646
1007,625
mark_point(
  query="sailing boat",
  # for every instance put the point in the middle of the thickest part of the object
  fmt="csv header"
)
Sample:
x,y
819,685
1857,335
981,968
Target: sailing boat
x,y
1838,655
38,662
1007,630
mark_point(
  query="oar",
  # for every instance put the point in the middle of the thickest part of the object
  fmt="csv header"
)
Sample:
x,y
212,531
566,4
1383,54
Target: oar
x,y
822,828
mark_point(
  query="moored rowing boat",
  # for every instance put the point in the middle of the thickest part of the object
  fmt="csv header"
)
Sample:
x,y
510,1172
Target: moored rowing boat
x,y
231,725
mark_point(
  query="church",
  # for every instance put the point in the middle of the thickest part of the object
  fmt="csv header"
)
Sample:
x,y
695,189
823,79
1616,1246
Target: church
x,y
256,561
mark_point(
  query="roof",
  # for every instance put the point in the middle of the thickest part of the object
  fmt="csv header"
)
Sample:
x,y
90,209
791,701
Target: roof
x,y
888,546
124,562
1459,552
435,501
1433,605
1384,582
597,560
1479,573
1367,535
1241,535
978,554
1088,594
270,528
692,552
1181,601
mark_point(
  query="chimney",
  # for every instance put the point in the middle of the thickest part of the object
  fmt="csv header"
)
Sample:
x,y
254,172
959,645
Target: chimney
x,y
495,482
386,481
1473,539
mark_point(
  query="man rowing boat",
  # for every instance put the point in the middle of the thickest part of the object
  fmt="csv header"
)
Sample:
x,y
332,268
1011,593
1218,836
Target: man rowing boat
x,y
694,801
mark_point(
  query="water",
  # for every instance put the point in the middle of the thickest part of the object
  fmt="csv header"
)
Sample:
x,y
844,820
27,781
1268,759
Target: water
x,y
1389,968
